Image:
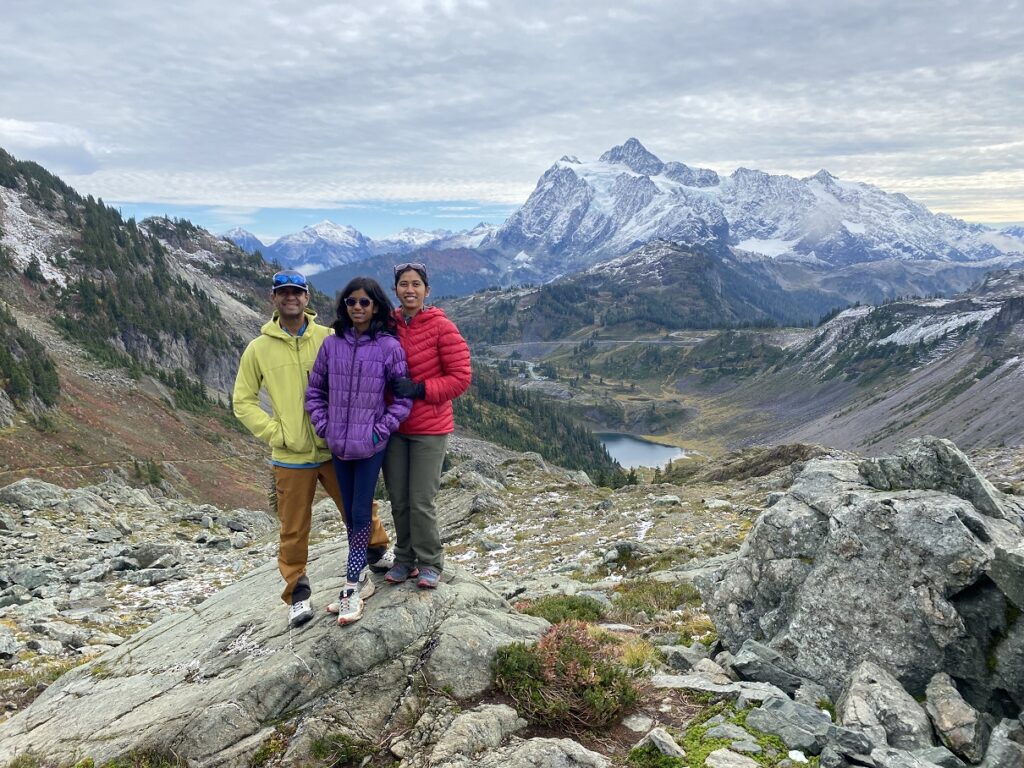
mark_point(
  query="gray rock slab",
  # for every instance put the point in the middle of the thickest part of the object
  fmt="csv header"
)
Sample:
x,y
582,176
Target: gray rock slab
x,y
1007,571
204,680
727,731
875,699
798,725
963,729
638,723
29,493
933,463
682,657
750,692
940,756
890,757
756,661
536,753
481,728
725,758
662,741
1006,746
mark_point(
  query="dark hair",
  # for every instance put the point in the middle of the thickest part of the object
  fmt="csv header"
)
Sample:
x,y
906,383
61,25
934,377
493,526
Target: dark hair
x,y
419,269
382,320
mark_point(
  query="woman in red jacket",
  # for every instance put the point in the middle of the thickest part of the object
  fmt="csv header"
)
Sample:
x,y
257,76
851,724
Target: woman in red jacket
x,y
439,371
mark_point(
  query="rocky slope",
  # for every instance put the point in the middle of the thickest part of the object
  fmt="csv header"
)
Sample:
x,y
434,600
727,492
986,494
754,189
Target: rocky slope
x,y
216,682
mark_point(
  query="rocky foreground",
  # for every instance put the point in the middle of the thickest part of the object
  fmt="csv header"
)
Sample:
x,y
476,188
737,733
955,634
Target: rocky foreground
x,y
870,617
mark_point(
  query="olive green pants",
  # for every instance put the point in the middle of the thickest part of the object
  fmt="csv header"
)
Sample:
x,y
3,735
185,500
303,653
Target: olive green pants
x,y
412,474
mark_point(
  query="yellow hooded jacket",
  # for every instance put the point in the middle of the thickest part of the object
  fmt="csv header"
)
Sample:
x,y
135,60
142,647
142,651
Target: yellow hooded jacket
x,y
280,364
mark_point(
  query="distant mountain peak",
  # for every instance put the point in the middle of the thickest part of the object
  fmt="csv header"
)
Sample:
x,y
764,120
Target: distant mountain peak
x,y
634,156
244,239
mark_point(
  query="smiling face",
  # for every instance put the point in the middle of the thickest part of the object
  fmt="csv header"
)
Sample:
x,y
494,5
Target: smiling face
x,y
411,291
360,308
290,304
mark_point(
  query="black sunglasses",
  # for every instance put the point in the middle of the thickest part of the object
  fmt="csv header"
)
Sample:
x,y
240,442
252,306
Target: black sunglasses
x,y
364,302
418,266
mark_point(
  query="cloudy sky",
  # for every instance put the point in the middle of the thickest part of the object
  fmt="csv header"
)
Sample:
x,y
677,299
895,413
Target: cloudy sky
x,y
271,114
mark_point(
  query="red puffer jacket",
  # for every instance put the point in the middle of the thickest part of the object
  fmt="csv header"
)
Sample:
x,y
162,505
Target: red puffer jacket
x,y
439,357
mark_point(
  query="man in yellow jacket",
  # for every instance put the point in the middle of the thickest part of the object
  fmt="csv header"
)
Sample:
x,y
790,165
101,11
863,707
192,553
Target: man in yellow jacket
x,y
279,361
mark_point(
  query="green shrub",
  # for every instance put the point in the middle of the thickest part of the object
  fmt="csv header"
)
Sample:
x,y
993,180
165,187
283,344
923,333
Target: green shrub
x,y
568,678
339,751
648,756
648,596
556,608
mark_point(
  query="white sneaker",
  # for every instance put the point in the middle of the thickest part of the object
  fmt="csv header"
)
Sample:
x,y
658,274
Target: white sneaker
x,y
384,562
299,613
366,585
350,606
366,590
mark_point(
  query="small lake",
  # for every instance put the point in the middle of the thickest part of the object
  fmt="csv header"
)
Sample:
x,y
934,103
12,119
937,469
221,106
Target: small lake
x,y
632,451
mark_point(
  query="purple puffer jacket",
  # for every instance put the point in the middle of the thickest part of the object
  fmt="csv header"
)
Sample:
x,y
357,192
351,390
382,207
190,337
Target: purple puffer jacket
x,y
346,393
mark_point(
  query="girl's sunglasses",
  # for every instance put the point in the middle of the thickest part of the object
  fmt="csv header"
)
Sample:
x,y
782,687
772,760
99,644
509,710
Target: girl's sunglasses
x,y
364,302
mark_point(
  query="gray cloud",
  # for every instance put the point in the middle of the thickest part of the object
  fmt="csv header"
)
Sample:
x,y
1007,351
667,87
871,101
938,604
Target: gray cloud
x,y
262,103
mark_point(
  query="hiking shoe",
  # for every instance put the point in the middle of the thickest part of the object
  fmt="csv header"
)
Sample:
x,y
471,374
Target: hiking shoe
x,y
299,613
366,590
350,606
384,563
429,577
400,572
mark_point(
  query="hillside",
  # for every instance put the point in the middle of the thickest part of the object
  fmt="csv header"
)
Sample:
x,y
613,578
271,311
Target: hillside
x,y
865,379
120,342
658,287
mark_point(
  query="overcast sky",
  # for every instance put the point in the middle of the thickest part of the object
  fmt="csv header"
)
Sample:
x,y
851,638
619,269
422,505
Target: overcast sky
x,y
400,113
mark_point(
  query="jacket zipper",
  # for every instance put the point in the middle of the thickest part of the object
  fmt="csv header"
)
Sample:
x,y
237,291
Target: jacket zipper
x,y
348,399
310,432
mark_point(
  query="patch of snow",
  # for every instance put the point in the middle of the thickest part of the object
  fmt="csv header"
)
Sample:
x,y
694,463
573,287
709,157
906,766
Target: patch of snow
x,y
930,328
856,228
772,247
30,237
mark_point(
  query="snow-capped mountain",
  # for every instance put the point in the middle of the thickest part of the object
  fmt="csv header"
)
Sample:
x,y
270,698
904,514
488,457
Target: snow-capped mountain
x,y
408,239
320,246
245,240
326,245
581,213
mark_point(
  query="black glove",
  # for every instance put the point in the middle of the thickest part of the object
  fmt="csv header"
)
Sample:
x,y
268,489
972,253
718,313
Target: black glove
x,y
405,387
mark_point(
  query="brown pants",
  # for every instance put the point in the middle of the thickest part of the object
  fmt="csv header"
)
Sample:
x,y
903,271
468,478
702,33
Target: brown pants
x,y
295,491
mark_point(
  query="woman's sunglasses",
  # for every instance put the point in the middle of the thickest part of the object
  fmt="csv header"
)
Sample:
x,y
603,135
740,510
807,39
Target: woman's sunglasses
x,y
364,302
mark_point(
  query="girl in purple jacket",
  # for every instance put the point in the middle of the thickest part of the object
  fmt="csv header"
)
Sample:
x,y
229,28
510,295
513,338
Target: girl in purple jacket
x,y
351,407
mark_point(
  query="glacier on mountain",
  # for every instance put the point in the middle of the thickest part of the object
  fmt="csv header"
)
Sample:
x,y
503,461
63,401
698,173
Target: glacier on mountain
x,y
581,213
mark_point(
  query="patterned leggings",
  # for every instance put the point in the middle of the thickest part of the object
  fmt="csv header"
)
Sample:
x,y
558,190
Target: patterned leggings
x,y
357,479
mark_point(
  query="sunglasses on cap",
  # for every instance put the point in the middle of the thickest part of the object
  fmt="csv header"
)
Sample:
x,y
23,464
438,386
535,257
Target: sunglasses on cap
x,y
363,302
285,279
418,266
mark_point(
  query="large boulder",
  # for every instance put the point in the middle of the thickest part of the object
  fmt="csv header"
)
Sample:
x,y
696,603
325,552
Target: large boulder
x,y
212,683
888,560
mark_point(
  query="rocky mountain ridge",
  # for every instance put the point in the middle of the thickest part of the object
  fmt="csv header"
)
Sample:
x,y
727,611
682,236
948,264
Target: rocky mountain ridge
x,y
582,213
326,245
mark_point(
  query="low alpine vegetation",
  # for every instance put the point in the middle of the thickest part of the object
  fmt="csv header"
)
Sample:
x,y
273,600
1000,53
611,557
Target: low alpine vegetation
x,y
558,608
569,678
